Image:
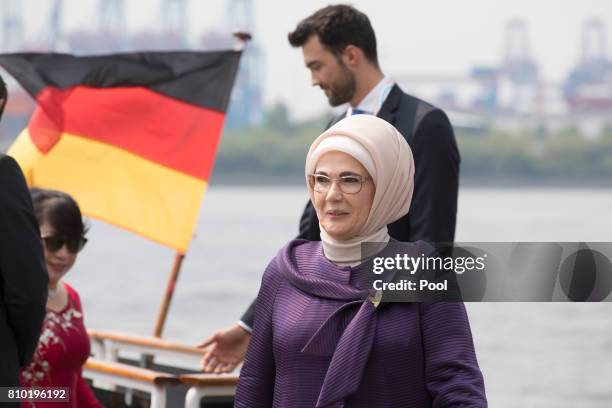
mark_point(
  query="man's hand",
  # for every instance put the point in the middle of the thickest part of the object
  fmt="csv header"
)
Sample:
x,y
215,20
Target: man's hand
x,y
225,349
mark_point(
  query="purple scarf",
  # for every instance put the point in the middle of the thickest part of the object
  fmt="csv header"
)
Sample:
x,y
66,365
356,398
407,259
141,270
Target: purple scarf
x,y
347,335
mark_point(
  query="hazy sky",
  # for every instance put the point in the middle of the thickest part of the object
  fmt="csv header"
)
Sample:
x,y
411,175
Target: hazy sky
x,y
425,37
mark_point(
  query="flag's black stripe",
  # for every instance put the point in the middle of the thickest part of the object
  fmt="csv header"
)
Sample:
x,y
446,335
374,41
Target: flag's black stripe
x,y
200,78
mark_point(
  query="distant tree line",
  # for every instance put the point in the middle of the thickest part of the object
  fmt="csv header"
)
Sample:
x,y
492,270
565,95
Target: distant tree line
x,y
276,150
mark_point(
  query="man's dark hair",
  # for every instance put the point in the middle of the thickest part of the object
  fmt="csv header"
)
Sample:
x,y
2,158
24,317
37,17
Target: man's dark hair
x,y
338,26
3,96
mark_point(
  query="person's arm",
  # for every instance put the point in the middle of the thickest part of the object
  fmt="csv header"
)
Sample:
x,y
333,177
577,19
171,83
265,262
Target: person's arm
x,y
248,317
22,266
433,211
452,375
256,384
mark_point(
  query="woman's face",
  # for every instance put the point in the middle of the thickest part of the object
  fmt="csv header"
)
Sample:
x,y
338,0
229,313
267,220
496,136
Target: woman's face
x,y
343,215
58,262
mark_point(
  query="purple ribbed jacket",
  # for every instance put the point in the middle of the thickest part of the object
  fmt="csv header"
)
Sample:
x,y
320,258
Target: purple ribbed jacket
x,y
317,343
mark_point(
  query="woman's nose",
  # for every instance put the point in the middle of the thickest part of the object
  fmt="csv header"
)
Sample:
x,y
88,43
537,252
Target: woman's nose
x,y
334,193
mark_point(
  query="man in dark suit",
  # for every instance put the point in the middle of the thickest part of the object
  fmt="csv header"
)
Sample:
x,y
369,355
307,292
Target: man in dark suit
x,y
23,275
339,49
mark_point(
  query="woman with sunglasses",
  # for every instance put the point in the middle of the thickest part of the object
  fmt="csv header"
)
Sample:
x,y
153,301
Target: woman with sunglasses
x,y
63,346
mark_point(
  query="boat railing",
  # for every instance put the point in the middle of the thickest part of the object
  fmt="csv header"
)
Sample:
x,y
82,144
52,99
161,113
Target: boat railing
x,y
108,345
107,372
132,378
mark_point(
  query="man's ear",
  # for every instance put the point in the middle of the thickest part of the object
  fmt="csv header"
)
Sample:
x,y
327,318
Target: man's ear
x,y
352,55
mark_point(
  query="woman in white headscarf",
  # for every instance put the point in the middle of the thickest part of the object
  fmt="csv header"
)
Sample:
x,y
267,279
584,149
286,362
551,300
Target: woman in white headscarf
x,y
319,340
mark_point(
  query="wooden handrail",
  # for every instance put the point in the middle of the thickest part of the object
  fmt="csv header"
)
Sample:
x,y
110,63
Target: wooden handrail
x,y
142,341
132,372
201,379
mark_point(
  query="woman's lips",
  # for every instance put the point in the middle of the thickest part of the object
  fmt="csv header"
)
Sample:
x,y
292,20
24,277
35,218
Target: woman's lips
x,y
336,214
57,268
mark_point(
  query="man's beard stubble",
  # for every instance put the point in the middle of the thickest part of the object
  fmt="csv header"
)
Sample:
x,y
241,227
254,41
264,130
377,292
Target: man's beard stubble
x,y
343,90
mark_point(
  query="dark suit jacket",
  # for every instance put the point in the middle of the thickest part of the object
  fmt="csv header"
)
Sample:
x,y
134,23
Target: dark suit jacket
x,y
23,275
433,210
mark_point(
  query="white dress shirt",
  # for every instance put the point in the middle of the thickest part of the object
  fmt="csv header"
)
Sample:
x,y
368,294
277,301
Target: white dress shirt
x,y
375,98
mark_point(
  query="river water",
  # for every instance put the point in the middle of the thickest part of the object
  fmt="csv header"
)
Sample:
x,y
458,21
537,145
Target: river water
x,y
532,354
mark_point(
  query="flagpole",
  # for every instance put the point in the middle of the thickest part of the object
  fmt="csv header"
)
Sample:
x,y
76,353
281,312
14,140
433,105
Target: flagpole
x,y
170,286
242,38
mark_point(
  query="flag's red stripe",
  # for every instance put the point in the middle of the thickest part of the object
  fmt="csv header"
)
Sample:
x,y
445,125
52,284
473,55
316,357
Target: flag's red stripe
x,y
172,133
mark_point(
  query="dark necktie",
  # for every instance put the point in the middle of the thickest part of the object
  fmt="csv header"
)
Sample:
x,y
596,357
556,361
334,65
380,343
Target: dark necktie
x,y
359,112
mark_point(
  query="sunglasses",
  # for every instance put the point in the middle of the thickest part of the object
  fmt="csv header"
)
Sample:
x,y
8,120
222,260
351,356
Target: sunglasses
x,y
54,243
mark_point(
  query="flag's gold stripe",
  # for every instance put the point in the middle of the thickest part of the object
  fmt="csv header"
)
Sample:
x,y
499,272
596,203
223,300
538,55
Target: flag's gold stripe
x,y
118,187
26,153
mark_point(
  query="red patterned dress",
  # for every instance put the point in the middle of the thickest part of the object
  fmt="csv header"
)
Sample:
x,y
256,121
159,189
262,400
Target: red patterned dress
x,y
62,350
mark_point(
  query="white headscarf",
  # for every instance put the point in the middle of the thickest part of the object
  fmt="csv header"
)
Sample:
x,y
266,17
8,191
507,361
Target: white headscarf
x,y
385,154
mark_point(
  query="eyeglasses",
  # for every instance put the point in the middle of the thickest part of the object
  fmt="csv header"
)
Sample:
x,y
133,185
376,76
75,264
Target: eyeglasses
x,y
54,243
350,184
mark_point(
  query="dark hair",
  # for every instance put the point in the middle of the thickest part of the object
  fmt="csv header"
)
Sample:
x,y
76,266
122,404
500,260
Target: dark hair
x,y
60,210
338,26
3,96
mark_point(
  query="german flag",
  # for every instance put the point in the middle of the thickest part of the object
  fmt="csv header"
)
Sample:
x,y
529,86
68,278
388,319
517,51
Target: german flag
x,y
131,136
